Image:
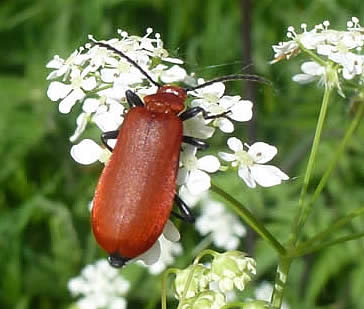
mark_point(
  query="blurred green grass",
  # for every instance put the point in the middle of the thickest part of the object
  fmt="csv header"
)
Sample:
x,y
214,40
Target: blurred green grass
x,y
45,236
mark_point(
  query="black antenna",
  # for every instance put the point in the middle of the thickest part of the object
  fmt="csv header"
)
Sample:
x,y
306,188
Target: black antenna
x,y
121,54
253,78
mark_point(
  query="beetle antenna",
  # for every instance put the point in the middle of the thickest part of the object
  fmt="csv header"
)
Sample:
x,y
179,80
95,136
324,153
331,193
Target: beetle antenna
x,y
121,54
253,78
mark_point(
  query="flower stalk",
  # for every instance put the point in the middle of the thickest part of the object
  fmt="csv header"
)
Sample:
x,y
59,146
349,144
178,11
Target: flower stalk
x,y
250,219
303,211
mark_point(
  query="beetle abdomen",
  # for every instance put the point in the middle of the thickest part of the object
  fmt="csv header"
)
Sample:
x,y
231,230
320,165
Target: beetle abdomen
x,y
135,193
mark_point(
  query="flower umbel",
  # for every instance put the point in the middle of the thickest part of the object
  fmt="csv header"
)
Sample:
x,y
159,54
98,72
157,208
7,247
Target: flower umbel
x,y
99,286
335,56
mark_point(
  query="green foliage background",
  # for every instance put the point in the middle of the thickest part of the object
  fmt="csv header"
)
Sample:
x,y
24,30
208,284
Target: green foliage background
x,y
45,236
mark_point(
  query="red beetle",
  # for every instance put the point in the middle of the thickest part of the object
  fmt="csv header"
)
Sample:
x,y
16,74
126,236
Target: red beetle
x,y
135,193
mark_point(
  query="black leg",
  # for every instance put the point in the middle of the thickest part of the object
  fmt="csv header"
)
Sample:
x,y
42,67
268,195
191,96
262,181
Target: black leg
x,y
194,141
109,135
132,99
186,214
116,260
192,112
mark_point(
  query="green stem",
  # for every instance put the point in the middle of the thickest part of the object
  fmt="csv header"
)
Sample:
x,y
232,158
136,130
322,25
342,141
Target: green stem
x,y
328,244
250,220
96,90
348,135
280,282
164,286
327,232
311,54
304,211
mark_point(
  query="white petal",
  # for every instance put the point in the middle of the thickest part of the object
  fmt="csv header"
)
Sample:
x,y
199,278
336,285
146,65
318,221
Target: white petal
x,y
242,111
188,198
173,60
229,157
58,90
152,255
174,74
107,121
67,103
182,176
226,126
244,174
81,121
235,144
262,152
90,105
312,68
267,175
226,102
55,63
89,83
108,75
303,78
86,152
196,127
209,164
198,182
170,232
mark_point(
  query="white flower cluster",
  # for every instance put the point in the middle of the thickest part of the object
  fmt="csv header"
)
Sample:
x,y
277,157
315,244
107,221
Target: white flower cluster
x,y
224,227
97,78
334,53
211,283
99,286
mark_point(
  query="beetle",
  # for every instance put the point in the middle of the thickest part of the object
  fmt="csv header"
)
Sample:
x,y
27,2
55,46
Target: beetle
x,y
137,188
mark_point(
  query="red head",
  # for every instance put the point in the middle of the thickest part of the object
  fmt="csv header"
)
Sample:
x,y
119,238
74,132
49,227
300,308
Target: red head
x,y
168,99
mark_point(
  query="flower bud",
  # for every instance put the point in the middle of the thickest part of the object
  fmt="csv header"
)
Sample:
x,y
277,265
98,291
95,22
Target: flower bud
x,y
199,282
232,268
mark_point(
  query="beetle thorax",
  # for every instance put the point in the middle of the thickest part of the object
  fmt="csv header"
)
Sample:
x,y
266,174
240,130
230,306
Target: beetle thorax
x,y
168,99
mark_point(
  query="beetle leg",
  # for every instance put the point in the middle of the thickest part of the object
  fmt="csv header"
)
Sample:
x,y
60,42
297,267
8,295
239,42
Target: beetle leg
x,y
116,260
186,214
194,141
109,135
133,99
192,112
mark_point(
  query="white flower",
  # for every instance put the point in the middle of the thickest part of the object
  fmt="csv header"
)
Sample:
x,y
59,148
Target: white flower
x,y
211,99
193,171
250,163
162,253
284,50
208,95
225,228
63,67
99,286
70,93
87,152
